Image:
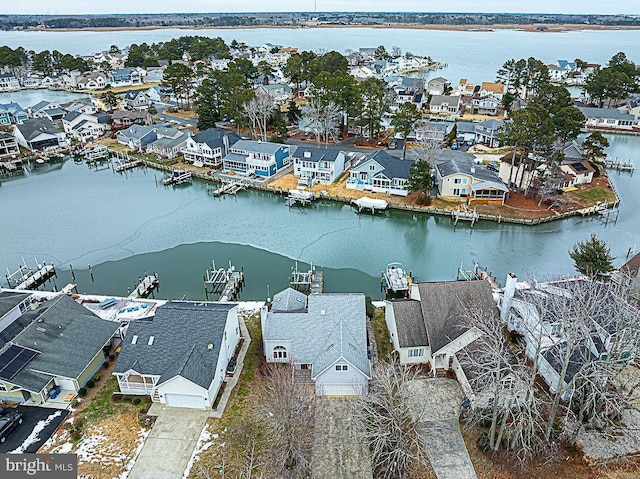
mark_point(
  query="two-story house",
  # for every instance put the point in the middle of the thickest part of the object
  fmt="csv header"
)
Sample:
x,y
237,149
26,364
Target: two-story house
x,y
8,145
12,113
486,105
261,158
137,137
380,172
169,142
317,165
609,119
487,132
209,147
38,134
445,104
126,118
46,109
85,127
8,82
125,77
137,99
437,86
92,81
460,177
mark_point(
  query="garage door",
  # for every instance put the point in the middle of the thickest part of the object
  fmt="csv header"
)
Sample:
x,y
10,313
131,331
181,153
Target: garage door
x,y
184,400
65,384
340,389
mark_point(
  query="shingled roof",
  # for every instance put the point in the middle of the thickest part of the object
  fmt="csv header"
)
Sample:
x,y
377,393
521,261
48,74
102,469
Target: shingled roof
x,y
409,323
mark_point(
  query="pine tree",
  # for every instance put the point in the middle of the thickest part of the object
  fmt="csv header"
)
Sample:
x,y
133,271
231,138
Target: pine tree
x,y
592,258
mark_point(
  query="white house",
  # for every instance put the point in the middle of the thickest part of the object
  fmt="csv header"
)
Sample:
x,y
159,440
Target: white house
x,y
209,147
84,127
446,104
137,99
169,142
93,81
496,89
280,92
8,145
609,119
180,357
459,176
581,172
381,173
8,82
324,337
317,165
437,86
486,105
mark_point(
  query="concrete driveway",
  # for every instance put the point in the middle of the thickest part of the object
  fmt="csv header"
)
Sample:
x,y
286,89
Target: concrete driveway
x,y
168,448
436,406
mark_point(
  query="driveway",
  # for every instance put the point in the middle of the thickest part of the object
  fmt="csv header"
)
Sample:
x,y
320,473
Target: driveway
x,y
436,405
337,452
38,425
170,444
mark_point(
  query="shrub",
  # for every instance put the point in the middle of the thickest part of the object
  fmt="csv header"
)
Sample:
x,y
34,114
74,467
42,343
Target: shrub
x,y
96,378
136,400
423,200
90,383
82,392
112,357
75,434
369,307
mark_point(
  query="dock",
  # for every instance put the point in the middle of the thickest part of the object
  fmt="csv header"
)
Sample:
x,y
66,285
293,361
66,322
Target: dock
x,y
228,188
30,278
371,204
145,287
226,284
177,177
301,196
620,165
464,214
307,282
96,153
476,274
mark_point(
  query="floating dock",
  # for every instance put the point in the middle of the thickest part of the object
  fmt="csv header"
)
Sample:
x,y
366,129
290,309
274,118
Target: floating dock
x,y
224,283
30,278
307,282
177,177
145,287
371,204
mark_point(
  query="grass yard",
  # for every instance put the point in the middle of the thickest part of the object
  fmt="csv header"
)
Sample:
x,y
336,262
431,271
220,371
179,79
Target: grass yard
x,y
382,334
591,196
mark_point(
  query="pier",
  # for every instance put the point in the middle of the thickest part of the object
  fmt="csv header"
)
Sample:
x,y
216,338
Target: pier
x,y
96,153
300,196
228,188
464,214
224,283
177,177
620,165
145,287
123,162
30,278
476,274
307,282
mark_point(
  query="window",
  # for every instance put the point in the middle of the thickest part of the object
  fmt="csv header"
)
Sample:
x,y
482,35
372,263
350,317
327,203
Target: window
x,y
416,353
341,367
508,383
279,353
372,167
556,329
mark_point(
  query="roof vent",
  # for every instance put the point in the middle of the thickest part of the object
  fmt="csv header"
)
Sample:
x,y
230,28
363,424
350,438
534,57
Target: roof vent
x,y
322,312
41,330
209,346
134,340
150,342
307,154
330,347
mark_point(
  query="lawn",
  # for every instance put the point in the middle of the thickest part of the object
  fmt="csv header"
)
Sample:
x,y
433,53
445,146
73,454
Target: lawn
x,y
591,196
382,334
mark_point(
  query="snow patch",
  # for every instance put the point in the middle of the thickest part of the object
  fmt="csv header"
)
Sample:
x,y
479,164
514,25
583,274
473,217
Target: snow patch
x,y
204,443
34,437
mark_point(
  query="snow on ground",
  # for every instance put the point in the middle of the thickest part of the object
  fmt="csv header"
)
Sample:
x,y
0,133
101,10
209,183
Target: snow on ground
x,y
250,307
143,437
35,434
204,443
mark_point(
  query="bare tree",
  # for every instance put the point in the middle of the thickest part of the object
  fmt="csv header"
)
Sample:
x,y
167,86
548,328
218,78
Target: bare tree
x,y
259,110
286,412
323,119
386,423
426,147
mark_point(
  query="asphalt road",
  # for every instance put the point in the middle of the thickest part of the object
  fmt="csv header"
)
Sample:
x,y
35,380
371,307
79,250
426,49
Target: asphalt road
x,y
32,416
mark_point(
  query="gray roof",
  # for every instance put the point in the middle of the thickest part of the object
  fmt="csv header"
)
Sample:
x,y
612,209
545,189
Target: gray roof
x,y
39,106
489,185
316,154
443,306
466,166
490,124
9,300
289,300
440,99
213,137
136,131
257,146
171,142
182,333
72,337
72,115
610,113
55,112
465,127
439,80
579,356
133,114
235,157
34,127
409,323
393,167
332,327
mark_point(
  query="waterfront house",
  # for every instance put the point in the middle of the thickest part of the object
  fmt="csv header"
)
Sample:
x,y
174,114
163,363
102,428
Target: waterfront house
x,y
381,173
609,119
8,145
169,143
438,86
496,89
628,275
82,106
445,104
209,147
92,81
85,127
137,136
324,338
180,357
279,92
126,118
58,346
487,132
460,177
486,105
125,77
465,88
8,82
317,165
32,82
12,113
47,109
257,157
38,134
579,172
137,99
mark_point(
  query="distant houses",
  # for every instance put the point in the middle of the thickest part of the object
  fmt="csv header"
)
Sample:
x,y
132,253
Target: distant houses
x,y
8,145
12,113
8,82
609,119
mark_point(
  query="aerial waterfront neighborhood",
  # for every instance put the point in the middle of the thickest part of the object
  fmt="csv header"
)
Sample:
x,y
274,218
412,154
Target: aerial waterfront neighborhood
x,y
333,192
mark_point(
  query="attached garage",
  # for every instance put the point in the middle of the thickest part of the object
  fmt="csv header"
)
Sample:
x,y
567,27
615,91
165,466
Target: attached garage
x,y
67,384
185,400
338,389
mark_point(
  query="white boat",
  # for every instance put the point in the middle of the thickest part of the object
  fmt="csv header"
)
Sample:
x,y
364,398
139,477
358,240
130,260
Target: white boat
x,y
396,278
372,204
300,195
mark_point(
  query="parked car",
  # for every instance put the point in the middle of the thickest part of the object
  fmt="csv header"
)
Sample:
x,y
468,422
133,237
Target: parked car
x,y
393,145
493,168
9,420
231,367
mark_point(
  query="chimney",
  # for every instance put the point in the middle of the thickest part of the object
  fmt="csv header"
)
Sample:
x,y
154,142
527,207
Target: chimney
x,y
473,169
307,154
507,295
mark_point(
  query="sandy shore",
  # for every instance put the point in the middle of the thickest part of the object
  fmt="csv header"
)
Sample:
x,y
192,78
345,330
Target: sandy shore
x,y
541,28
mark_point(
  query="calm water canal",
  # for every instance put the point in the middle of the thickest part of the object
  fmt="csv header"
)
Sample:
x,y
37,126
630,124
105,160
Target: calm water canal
x,y
126,225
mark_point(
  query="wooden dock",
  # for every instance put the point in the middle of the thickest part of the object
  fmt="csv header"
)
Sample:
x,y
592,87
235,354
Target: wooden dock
x,y
145,287
620,165
307,282
226,284
464,214
30,278
177,177
228,188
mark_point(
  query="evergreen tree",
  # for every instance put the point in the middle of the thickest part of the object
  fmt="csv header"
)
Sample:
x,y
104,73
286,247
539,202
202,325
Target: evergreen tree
x,y
404,121
592,258
420,176
594,146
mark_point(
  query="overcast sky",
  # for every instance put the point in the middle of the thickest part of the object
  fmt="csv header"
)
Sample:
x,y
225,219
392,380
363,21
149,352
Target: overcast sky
x,y
164,6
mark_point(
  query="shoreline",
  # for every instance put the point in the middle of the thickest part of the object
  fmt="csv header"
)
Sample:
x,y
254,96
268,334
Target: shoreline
x,y
532,28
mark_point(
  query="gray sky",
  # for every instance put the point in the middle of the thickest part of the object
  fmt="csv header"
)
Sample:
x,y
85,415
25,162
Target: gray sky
x,y
164,6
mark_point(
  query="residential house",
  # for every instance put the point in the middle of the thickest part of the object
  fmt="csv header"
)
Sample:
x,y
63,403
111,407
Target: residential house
x,y
323,336
496,89
32,82
461,177
627,275
8,82
12,113
126,118
93,81
46,109
280,92
137,99
487,132
257,157
80,107
38,134
581,172
125,77
317,165
438,86
209,147
8,145
486,105
60,345
609,119
381,173
137,136
465,132
180,357
155,93
465,88
557,74
445,104
85,127
433,131
154,75
169,143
